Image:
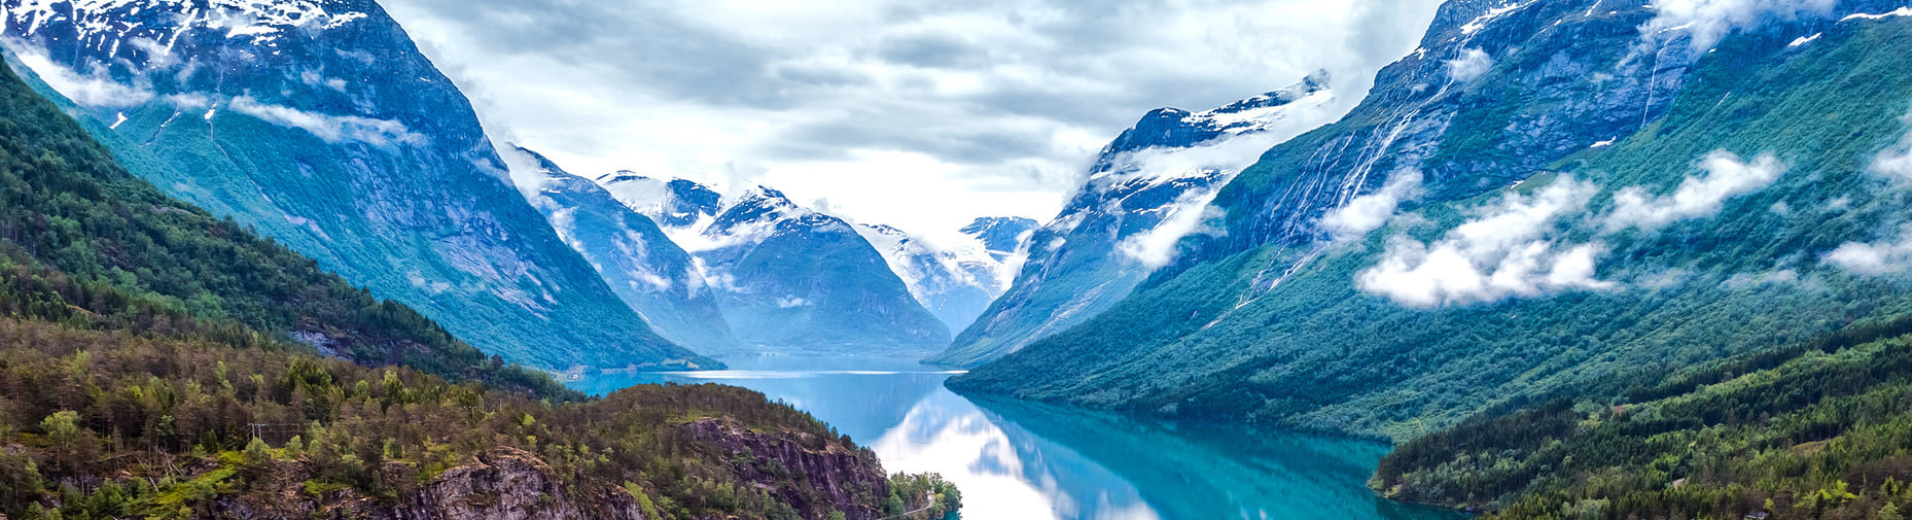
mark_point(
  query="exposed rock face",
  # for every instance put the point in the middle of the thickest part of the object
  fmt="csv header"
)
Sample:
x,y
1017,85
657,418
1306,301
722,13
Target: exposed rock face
x,y
509,485
503,484
838,479
814,475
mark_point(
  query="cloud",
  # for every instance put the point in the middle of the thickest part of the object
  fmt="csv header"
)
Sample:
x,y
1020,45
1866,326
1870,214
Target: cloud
x,y
1505,250
1471,64
332,129
1726,177
991,108
1189,215
1709,21
95,90
1369,212
791,302
1878,258
1896,162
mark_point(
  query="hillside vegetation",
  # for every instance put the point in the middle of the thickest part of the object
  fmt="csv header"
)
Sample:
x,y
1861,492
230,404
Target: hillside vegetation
x,y
157,362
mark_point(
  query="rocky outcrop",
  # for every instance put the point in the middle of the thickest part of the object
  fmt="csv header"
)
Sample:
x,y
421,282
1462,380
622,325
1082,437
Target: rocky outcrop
x,y
502,484
813,475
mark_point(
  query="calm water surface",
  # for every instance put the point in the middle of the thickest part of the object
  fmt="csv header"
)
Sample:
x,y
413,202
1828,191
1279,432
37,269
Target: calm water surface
x,y
1016,460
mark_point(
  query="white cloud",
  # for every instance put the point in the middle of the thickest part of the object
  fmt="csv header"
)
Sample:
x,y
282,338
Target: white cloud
x,y
1369,212
791,302
992,107
1505,250
332,129
1189,215
1726,177
88,90
1896,162
1877,258
1709,21
1472,64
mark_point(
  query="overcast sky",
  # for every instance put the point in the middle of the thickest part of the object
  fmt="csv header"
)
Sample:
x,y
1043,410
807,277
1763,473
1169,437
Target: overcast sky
x,y
923,114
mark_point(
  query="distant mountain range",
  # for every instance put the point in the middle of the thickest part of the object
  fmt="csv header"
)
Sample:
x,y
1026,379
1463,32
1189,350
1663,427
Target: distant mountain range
x,y
787,277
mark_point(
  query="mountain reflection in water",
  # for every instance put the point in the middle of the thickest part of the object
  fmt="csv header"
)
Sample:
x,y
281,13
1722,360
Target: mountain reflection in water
x,y
1016,460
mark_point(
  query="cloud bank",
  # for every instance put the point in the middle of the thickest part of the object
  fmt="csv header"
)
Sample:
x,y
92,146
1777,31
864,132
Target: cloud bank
x,y
922,115
1512,248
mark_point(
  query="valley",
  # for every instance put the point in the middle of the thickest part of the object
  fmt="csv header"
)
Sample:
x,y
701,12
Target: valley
x,y
1548,259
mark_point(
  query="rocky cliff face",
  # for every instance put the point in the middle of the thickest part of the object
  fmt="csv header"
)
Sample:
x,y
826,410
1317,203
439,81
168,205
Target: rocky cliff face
x,y
1147,189
504,484
320,124
837,478
811,475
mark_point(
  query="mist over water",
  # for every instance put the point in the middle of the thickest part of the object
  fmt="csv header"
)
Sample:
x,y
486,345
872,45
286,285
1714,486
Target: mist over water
x,y
1016,460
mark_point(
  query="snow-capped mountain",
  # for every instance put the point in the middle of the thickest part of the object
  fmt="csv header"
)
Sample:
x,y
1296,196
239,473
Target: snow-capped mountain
x,y
1149,188
643,266
954,281
785,276
318,122
1002,237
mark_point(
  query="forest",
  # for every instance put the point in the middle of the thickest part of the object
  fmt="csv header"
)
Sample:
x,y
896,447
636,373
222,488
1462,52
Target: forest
x,y
1820,429
158,362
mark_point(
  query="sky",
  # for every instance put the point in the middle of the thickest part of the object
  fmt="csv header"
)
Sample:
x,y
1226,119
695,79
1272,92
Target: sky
x,y
922,114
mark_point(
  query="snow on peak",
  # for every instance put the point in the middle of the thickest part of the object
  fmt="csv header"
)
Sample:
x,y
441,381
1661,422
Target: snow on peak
x,y
108,23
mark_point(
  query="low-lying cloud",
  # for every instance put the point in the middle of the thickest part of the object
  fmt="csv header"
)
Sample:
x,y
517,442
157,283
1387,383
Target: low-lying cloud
x,y
1472,64
330,128
1505,250
1512,248
1877,258
1709,21
88,90
1369,212
1896,161
1726,177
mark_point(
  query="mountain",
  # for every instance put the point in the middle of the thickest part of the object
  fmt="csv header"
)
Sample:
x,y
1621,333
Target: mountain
x,y
655,277
321,125
1145,191
1002,237
1547,199
955,282
165,363
786,277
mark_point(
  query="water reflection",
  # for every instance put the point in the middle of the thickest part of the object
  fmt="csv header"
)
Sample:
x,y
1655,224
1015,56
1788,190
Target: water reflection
x,y
1016,460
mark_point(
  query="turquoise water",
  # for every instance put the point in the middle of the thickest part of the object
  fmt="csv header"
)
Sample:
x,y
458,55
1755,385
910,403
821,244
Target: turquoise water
x,y
1017,460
